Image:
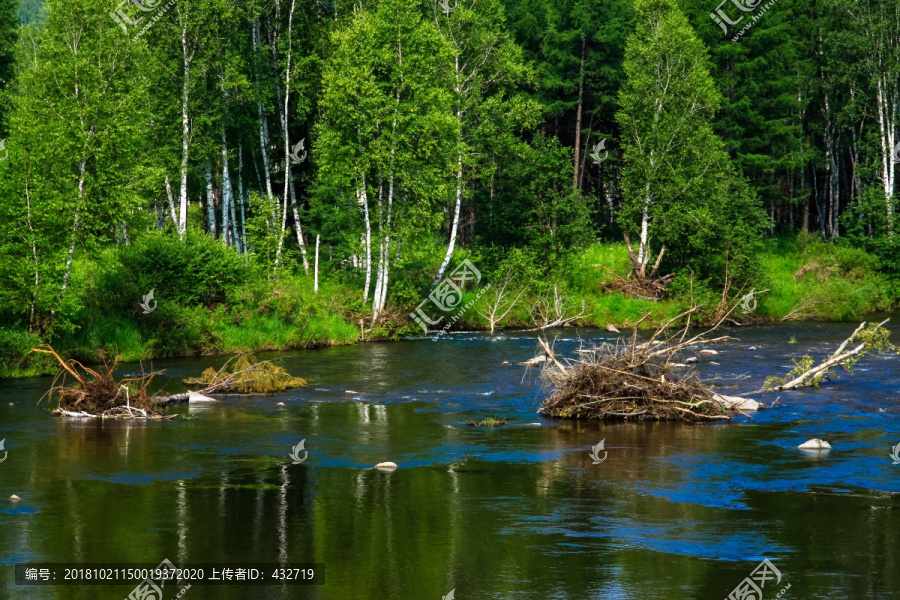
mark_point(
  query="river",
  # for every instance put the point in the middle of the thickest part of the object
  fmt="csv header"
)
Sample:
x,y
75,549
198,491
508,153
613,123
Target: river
x,y
675,512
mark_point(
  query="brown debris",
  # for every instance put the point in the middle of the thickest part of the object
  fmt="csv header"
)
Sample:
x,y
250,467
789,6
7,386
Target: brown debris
x,y
98,394
631,380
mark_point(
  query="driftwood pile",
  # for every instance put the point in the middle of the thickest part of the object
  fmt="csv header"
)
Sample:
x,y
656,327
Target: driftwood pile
x,y
99,395
639,283
633,379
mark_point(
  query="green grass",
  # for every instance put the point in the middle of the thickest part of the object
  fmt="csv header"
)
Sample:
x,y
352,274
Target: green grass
x,y
806,279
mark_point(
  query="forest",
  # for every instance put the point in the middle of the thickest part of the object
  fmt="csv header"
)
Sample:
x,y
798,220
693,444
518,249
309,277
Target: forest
x,y
203,176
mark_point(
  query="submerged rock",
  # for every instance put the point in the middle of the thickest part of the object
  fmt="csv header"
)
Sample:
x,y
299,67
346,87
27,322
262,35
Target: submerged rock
x,y
389,466
815,444
534,362
738,403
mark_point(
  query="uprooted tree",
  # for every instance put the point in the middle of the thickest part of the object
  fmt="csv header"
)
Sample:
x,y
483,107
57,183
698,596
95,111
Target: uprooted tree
x,y
874,338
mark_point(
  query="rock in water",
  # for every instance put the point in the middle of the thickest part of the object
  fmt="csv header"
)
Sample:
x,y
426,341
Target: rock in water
x,y
738,403
389,466
710,352
815,444
692,359
534,362
505,363
280,404
612,328
198,397
14,498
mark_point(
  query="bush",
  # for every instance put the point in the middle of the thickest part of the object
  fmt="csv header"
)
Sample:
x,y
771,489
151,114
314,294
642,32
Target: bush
x,y
200,271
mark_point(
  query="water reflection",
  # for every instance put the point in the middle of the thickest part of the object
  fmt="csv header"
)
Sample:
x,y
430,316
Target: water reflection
x,y
676,511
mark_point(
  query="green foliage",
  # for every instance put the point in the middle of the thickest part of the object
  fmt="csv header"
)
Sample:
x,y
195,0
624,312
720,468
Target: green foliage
x,y
677,178
199,271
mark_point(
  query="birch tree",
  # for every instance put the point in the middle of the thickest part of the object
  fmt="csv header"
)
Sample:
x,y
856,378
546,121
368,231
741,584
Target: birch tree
x,y
676,178
386,126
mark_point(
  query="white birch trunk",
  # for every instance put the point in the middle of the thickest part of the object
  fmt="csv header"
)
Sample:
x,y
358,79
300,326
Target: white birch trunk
x,y
210,202
77,223
172,210
263,122
643,251
185,133
455,227
316,276
298,228
887,139
227,196
240,237
364,201
379,273
287,145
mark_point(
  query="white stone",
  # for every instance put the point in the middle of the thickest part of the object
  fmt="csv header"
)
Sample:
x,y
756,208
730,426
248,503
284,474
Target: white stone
x,y
14,498
815,444
692,359
612,328
198,397
710,352
386,465
534,362
738,403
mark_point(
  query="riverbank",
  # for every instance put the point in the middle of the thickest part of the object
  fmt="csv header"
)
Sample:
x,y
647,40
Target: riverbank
x,y
212,304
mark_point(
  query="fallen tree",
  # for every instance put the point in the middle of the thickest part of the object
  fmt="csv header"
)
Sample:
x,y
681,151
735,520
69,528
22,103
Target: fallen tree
x,y
629,379
874,338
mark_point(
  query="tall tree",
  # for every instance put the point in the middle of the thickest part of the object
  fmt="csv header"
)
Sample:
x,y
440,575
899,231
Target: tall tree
x,y
677,179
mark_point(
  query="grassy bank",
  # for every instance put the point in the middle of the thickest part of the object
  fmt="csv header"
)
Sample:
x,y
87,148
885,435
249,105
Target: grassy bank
x,y
207,300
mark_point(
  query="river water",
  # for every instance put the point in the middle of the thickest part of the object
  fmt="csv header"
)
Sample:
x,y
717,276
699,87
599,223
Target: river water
x,y
676,511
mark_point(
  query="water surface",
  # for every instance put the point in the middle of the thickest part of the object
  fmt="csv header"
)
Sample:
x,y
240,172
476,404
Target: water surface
x,y
676,511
